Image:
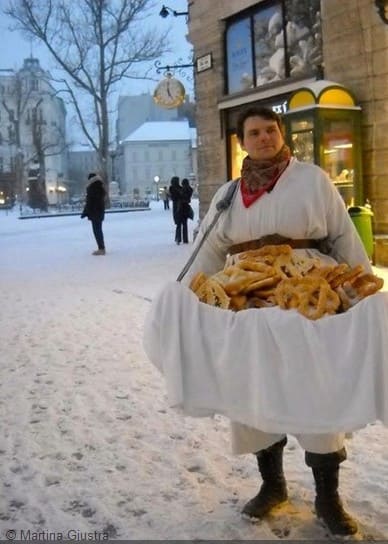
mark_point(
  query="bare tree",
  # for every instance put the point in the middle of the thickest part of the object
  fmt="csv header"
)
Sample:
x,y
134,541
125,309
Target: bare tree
x,y
96,43
15,109
44,143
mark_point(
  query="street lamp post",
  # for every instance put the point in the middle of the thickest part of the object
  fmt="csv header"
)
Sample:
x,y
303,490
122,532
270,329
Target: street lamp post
x,y
165,12
156,180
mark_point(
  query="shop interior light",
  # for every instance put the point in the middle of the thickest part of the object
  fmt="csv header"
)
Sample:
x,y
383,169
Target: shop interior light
x,y
343,146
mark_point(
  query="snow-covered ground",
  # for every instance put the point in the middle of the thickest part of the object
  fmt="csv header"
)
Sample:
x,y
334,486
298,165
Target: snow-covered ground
x,y
88,443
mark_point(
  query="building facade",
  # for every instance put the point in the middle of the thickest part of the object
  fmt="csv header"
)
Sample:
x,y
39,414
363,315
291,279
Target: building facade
x,y
32,132
133,111
154,153
264,53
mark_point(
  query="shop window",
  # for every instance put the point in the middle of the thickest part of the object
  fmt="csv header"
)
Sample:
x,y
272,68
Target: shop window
x,y
269,45
338,159
239,56
303,140
303,37
273,41
236,156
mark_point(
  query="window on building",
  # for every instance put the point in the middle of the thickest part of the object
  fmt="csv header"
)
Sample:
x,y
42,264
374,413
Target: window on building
x,y
34,84
1,139
1,164
239,56
271,42
173,154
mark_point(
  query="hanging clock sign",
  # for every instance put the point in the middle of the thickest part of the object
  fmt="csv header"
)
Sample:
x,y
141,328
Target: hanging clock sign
x,y
170,92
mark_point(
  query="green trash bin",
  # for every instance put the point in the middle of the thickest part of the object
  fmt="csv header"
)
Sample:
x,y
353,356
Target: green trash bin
x,y
362,220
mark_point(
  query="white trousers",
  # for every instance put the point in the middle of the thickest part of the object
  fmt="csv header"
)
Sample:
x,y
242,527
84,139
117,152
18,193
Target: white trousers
x,y
249,440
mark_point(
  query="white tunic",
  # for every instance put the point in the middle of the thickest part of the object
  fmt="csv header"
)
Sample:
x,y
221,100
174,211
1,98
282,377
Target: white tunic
x,y
272,369
303,204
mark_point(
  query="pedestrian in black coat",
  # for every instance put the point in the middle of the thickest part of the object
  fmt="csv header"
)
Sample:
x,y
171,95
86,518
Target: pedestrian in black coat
x,y
94,209
185,210
175,195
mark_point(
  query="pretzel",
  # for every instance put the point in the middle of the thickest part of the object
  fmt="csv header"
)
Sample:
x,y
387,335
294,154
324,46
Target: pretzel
x,y
197,281
310,296
211,292
304,265
264,293
274,275
285,268
238,302
240,280
348,296
270,250
260,283
256,266
367,284
336,271
349,275
360,287
322,271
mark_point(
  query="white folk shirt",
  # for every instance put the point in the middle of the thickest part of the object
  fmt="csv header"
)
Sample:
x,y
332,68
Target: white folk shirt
x,y
303,204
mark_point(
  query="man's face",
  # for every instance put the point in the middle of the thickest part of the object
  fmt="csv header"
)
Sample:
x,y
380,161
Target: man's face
x,y
262,138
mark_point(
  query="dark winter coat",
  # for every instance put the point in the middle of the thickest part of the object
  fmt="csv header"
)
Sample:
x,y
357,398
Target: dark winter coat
x,y
175,191
94,208
184,208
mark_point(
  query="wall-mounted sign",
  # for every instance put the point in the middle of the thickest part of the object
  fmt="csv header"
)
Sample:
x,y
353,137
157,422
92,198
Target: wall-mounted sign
x,y
204,63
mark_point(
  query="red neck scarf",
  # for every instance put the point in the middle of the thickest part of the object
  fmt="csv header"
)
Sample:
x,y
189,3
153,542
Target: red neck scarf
x,y
258,177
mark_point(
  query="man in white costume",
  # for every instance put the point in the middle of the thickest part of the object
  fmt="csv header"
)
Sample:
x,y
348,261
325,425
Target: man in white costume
x,y
279,195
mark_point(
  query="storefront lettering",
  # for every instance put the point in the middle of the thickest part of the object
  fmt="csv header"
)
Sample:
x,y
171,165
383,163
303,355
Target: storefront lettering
x,y
280,108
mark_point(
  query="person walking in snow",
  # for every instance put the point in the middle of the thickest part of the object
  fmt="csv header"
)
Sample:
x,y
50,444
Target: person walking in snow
x,y
278,194
166,198
94,209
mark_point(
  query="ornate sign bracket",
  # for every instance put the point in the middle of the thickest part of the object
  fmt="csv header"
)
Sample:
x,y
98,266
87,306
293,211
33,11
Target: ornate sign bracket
x,y
168,67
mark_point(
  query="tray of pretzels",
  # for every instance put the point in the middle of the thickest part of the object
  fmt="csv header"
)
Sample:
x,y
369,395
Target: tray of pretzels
x,y
274,275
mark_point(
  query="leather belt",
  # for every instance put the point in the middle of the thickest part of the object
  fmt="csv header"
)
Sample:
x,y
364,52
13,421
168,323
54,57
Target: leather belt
x,y
277,239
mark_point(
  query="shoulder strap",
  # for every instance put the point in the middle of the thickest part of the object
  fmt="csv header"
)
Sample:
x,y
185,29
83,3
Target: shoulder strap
x,y
225,202
221,206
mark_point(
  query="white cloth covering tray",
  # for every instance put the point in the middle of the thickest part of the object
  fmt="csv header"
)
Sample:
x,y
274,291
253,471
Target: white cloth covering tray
x,y
269,368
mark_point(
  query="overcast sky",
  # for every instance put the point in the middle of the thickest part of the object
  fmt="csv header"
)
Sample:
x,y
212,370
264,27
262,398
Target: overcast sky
x,y
14,48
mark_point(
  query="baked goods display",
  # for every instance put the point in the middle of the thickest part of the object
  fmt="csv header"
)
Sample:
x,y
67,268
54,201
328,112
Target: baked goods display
x,y
275,276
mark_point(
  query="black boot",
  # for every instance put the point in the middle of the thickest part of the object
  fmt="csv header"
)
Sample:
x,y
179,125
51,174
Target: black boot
x,y
273,490
328,504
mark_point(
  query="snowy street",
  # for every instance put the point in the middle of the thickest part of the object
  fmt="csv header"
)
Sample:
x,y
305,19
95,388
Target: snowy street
x,y
89,444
